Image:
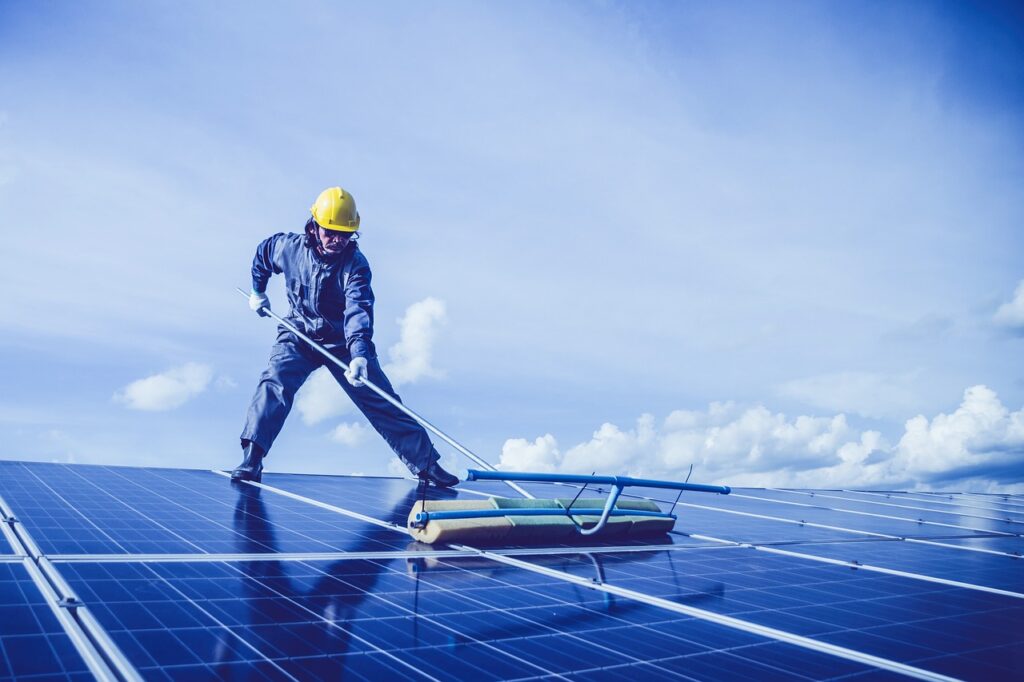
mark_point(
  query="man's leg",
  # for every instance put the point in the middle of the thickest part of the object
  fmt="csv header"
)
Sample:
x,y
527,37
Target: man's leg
x,y
406,437
288,368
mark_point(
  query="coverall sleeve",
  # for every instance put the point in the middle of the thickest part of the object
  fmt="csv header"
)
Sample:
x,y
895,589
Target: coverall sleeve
x,y
267,261
359,310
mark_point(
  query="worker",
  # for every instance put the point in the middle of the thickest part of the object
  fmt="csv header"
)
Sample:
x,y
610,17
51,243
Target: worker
x,y
328,282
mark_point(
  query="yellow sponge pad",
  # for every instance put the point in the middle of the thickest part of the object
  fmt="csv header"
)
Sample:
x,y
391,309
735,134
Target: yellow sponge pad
x,y
532,530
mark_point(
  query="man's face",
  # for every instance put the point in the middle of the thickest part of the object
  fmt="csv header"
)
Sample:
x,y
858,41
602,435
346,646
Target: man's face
x,y
333,240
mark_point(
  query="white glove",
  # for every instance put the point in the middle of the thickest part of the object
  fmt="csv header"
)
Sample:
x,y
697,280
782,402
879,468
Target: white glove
x,y
257,300
356,371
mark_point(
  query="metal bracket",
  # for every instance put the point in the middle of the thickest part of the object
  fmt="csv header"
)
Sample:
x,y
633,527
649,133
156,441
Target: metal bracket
x,y
609,505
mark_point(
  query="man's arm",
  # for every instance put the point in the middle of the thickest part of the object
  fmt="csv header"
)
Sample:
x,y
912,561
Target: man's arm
x,y
266,262
359,310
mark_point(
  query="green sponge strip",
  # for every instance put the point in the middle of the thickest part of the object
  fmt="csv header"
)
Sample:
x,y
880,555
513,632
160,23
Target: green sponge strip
x,y
532,521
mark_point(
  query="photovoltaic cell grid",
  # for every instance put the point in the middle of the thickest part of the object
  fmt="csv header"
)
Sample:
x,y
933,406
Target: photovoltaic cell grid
x,y
932,626
453,619
33,645
929,581
117,510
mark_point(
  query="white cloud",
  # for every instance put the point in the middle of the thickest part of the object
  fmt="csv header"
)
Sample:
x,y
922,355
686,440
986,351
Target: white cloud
x,y
611,449
411,356
981,431
980,445
1012,314
864,393
519,454
167,390
321,398
350,434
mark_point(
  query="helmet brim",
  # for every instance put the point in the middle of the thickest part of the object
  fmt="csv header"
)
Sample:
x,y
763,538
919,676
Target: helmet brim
x,y
335,228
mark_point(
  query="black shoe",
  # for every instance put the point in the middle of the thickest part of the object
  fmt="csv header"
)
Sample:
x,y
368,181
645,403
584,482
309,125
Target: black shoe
x,y
438,477
251,468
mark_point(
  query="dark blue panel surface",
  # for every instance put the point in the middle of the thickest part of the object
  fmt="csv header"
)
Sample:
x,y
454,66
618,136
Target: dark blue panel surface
x,y
910,621
905,501
989,498
1003,573
44,514
960,521
448,619
963,498
906,526
5,546
1006,545
90,509
33,645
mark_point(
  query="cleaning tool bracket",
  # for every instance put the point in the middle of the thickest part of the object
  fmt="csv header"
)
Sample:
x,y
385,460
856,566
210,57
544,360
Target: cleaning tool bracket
x,y
594,518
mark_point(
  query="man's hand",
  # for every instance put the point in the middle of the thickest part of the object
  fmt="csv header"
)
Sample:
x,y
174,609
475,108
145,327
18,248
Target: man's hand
x,y
356,371
257,300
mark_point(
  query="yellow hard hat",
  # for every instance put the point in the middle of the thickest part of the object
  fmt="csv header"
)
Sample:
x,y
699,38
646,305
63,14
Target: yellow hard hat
x,y
335,209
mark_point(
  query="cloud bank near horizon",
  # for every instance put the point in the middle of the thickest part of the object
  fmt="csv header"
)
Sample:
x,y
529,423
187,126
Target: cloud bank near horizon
x,y
979,446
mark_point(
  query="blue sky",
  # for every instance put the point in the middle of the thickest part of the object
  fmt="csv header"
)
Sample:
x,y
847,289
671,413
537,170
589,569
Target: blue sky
x,y
779,241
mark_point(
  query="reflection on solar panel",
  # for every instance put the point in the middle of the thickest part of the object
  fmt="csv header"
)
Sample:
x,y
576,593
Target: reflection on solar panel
x,y
125,573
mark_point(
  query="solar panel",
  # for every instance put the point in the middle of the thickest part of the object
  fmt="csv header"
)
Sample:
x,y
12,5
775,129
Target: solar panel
x,y
105,510
326,619
32,642
895,617
177,574
5,546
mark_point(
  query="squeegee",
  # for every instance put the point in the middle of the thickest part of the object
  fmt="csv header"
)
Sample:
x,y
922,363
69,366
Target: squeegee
x,y
499,520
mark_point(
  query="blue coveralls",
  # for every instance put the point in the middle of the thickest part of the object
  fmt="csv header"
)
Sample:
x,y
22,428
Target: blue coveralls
x,y
332,303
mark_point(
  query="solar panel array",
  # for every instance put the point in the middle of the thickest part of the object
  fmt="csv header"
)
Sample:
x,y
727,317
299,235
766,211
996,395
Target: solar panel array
x,y
126,573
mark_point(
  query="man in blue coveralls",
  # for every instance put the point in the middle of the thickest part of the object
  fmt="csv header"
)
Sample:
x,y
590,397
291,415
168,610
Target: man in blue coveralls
x,y
328,282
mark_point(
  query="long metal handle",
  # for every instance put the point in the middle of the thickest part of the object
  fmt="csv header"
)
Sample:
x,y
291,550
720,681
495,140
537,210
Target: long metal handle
x,y
494,475
384,394
423,518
